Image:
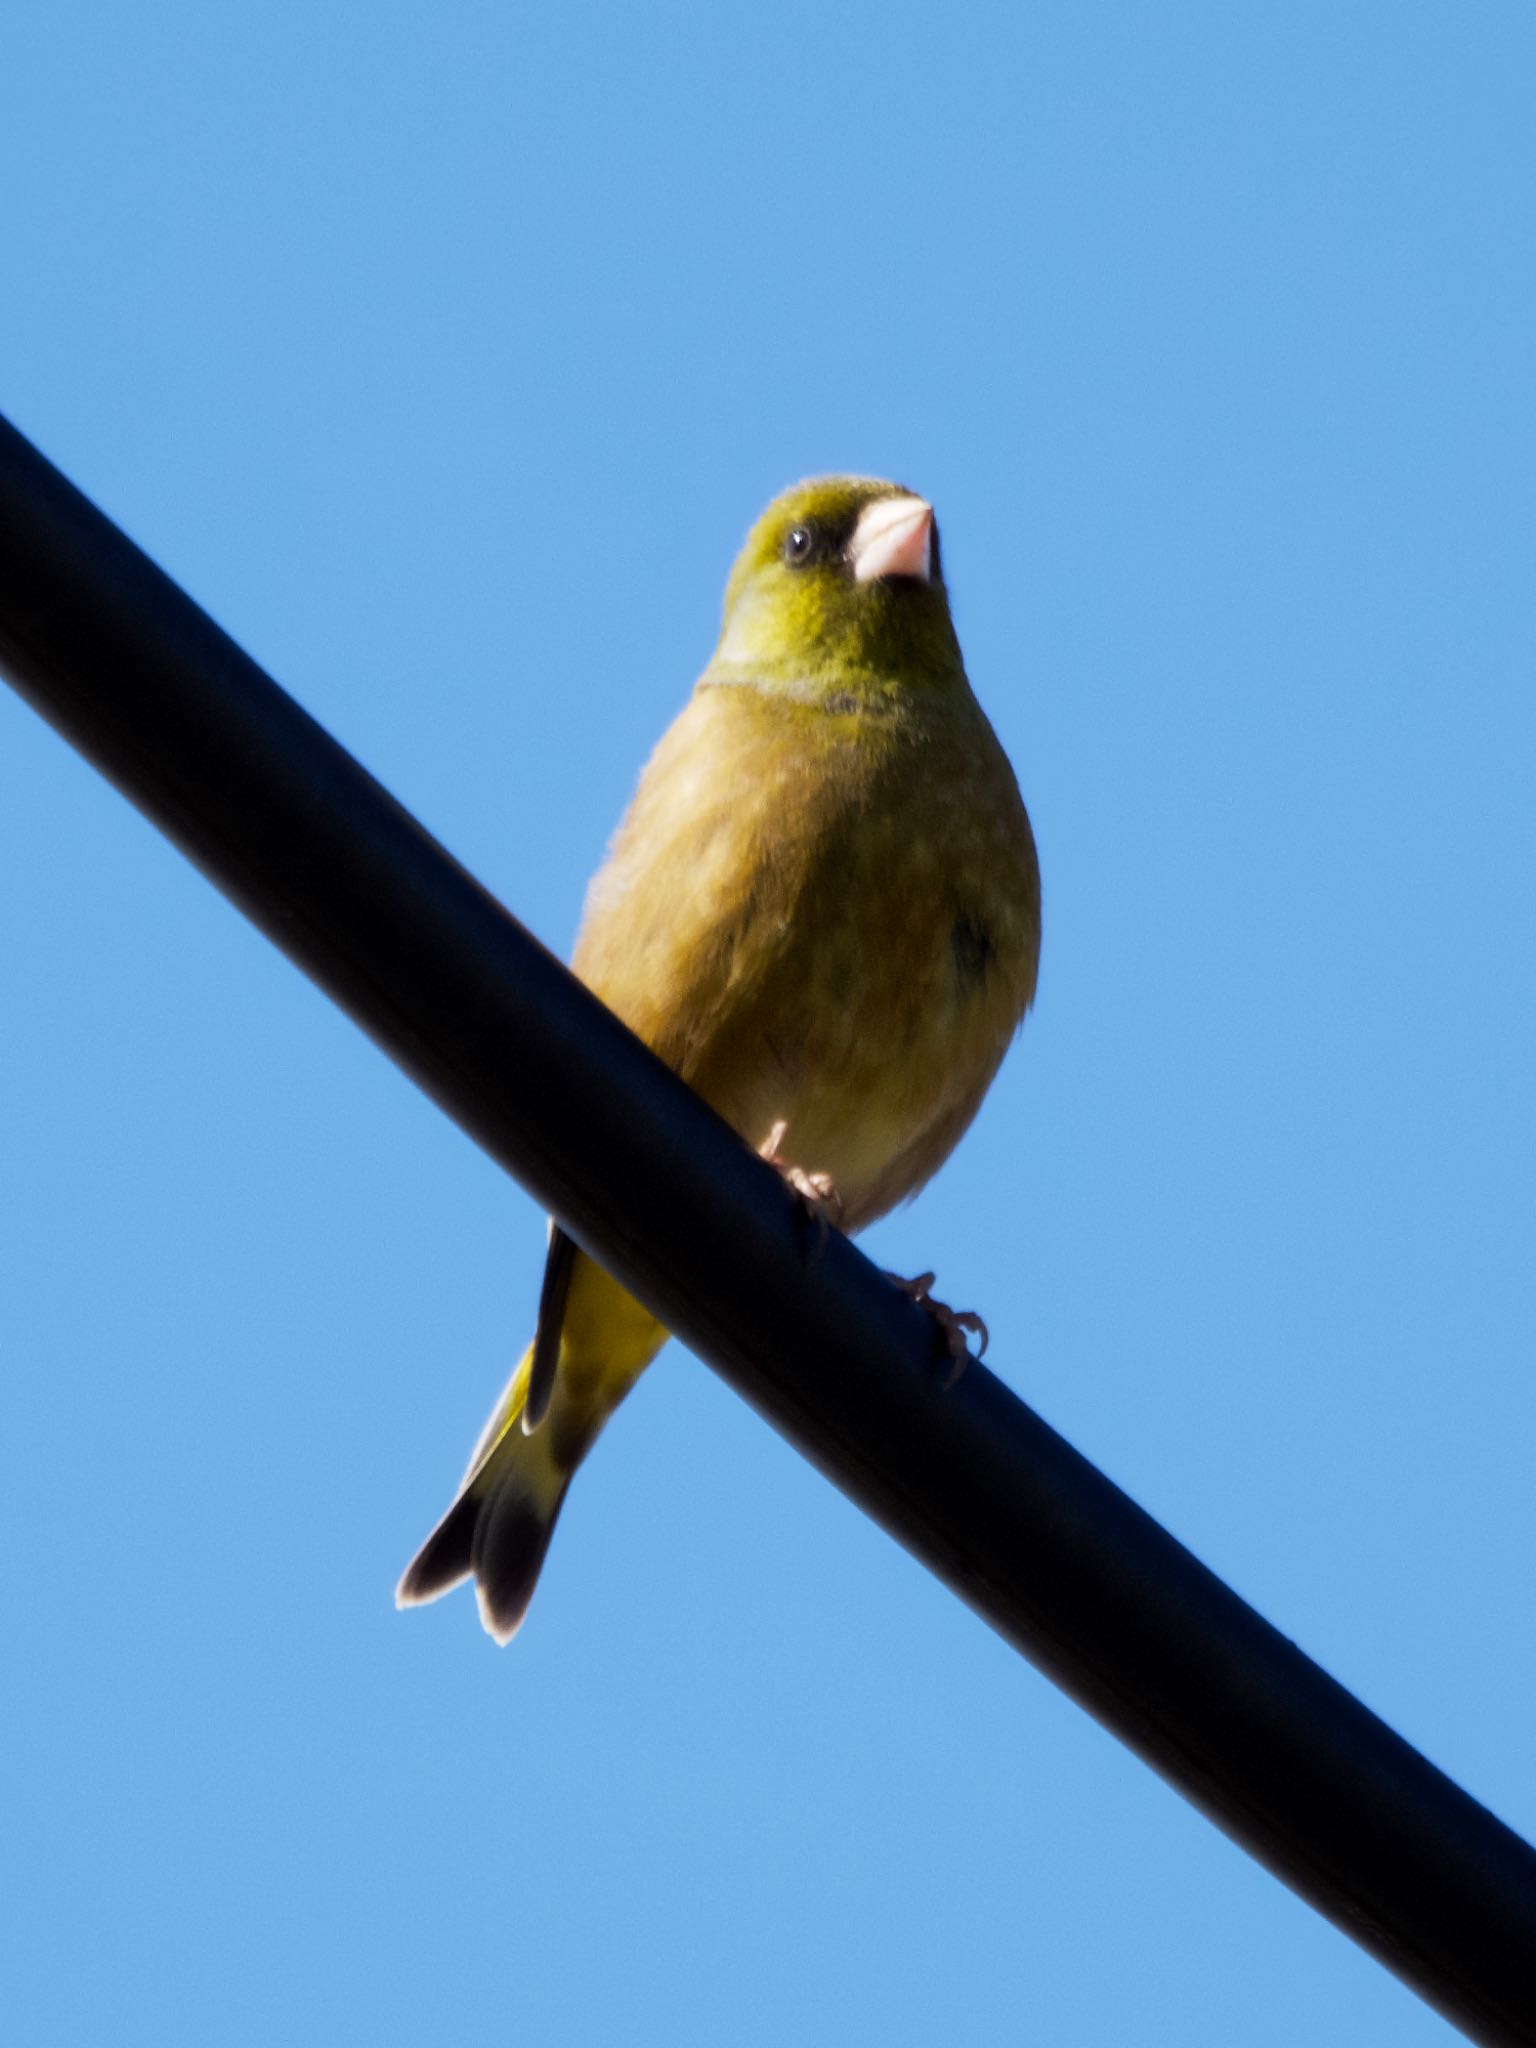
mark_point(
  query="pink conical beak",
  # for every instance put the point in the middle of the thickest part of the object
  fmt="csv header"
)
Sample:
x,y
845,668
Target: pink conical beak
x,y
894,537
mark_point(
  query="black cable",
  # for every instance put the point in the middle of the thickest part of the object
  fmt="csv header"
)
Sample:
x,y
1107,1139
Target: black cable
x,y
645,1177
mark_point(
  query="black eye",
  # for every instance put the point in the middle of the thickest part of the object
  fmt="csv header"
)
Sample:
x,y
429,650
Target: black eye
x,y
799,545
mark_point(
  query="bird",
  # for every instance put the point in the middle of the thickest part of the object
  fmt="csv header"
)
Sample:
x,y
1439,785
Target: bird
x,y
822,910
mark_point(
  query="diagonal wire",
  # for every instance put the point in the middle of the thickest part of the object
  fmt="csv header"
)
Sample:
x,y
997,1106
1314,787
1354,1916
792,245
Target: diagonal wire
x,y
650,1181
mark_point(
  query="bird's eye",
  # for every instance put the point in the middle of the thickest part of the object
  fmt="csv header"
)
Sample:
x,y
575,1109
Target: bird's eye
x,y
799,545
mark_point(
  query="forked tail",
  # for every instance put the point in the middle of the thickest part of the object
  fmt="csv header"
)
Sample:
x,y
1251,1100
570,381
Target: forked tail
x,y
593,1342
499,1527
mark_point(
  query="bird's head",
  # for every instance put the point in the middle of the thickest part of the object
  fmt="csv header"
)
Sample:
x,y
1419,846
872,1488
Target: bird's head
x,y
839,592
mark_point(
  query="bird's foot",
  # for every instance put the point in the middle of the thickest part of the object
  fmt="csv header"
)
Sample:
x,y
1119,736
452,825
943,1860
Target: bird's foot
x,y
819,1198
956,1325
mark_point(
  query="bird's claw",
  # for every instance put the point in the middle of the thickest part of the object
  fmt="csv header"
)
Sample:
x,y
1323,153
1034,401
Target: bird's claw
x,y
820,1201
956,1325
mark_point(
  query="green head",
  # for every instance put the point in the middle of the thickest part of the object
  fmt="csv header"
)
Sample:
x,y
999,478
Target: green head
x,y
839,593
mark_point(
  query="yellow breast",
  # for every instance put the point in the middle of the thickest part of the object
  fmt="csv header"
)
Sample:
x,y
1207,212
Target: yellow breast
x,y
826,916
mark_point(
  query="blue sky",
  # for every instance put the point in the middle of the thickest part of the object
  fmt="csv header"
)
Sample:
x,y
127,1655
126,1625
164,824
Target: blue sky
x,y
445,355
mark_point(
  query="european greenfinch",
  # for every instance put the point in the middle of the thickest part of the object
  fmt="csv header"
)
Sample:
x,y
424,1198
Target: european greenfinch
x,y
822,909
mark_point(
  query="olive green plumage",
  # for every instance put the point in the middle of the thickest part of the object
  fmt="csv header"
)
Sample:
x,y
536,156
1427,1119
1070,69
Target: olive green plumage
x,y
822,909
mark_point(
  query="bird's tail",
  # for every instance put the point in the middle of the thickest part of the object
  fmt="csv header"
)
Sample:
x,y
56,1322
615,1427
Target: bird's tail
x,y
499,1526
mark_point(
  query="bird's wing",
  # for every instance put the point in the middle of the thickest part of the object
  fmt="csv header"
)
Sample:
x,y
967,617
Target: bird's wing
x,y
704,874
545,1356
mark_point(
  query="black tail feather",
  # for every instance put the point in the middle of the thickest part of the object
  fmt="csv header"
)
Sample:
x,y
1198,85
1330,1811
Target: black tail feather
x,y
510,1539
445,1558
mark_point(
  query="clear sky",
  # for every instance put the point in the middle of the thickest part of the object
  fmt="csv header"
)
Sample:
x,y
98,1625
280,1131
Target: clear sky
x,y
445,354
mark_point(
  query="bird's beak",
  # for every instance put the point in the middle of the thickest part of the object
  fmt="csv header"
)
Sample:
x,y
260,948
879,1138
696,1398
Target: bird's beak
x,y
894,537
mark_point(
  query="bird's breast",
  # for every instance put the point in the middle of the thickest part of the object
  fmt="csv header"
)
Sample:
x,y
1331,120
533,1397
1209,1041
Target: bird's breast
x,y
825,925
